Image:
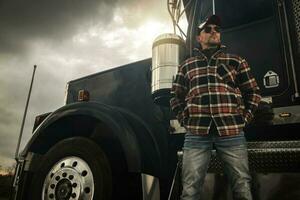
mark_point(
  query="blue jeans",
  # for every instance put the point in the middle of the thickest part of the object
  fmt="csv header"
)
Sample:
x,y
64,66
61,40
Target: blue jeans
x,y
232,150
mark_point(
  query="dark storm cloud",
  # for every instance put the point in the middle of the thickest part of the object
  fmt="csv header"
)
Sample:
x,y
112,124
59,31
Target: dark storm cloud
x,y
21,21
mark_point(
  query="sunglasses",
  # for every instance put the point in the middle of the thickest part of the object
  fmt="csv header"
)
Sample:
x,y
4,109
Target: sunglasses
x,y
208,29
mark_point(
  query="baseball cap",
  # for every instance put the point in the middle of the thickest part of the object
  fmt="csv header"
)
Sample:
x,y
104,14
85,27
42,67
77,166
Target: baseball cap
x,y
213,19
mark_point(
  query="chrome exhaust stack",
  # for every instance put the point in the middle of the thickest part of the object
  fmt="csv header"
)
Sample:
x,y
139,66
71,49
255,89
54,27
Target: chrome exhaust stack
x,y
168,51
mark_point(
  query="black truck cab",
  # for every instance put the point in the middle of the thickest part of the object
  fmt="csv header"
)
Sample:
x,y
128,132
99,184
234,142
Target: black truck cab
x,y
111,141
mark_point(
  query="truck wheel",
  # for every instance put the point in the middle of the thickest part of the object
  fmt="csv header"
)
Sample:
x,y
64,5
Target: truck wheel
x,y
74,168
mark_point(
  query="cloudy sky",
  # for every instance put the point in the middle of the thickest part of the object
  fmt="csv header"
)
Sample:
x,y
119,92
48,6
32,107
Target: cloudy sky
x,y
66,39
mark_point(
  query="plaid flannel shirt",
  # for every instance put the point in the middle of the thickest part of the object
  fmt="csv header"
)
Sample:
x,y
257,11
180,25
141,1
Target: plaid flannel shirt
x,y
221,89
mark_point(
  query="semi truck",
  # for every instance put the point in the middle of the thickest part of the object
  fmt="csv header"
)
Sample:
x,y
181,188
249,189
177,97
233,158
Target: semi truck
x,y
116,136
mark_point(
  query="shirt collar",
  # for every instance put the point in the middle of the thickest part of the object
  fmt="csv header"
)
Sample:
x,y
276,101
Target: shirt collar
x,y
197,51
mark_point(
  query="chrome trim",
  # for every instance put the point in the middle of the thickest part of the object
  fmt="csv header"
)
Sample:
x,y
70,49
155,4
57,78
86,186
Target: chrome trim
x,y
66,93
150,186
19,169
290,51
16,180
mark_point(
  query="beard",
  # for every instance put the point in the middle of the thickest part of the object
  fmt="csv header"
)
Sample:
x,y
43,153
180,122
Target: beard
x,y
213,42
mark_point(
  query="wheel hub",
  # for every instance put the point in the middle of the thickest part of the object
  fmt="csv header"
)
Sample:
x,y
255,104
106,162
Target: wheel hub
x,y
63,189
70,178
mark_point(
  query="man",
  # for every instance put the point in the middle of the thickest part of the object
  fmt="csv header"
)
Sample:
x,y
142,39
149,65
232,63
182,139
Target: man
x,y
214,96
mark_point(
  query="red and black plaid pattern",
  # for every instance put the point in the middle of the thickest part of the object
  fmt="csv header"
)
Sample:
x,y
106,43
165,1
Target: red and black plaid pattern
x,y
221,89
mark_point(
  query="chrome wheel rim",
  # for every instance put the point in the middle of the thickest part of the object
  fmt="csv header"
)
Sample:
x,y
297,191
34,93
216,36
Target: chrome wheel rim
x,y
70,178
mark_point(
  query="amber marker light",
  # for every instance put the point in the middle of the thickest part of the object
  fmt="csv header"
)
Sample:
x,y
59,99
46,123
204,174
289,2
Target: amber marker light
x,y
285,114
83,95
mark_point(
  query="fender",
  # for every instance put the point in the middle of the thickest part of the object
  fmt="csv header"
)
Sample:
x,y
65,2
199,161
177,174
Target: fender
x,y
41,140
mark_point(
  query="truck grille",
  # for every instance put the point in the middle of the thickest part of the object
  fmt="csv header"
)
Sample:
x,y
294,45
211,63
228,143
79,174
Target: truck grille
x,y
296,15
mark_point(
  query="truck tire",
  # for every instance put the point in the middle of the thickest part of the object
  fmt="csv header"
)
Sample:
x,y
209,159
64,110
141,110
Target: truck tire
x,y
74,168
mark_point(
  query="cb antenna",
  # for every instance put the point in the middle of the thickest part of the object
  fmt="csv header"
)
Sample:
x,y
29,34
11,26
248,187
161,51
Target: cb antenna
x,y
25,113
